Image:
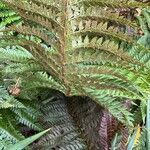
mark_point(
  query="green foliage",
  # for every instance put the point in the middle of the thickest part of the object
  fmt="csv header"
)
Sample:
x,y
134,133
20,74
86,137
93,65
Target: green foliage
x,y
148,125
7,16
138,138
76,40
71,126
78,48
65,133
134,139
12,113
24,143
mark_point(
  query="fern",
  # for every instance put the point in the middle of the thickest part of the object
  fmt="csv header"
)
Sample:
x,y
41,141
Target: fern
x,y
108,128
22,144
93,34
78,48
64,133
7,16
13,112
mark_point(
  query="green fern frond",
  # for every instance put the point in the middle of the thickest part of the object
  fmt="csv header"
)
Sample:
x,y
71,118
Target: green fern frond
x,y
9,127
6,13
112,104
20,69
15,54
8,16
34,8
41,79
27,30
25,118
24,143
13,112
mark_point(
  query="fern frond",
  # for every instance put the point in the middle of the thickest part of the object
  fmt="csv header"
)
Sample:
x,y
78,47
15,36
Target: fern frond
x,y
8,127
26,119
99,14
22,144
112,105
108,127
8,16
98,44
101,29
41,79
63,132
113,3
15,54
104,62
34,8
87,116
43,22
39,52
55,4
124,139
20,69
9,20
27,30
13,112
147,16
6,13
